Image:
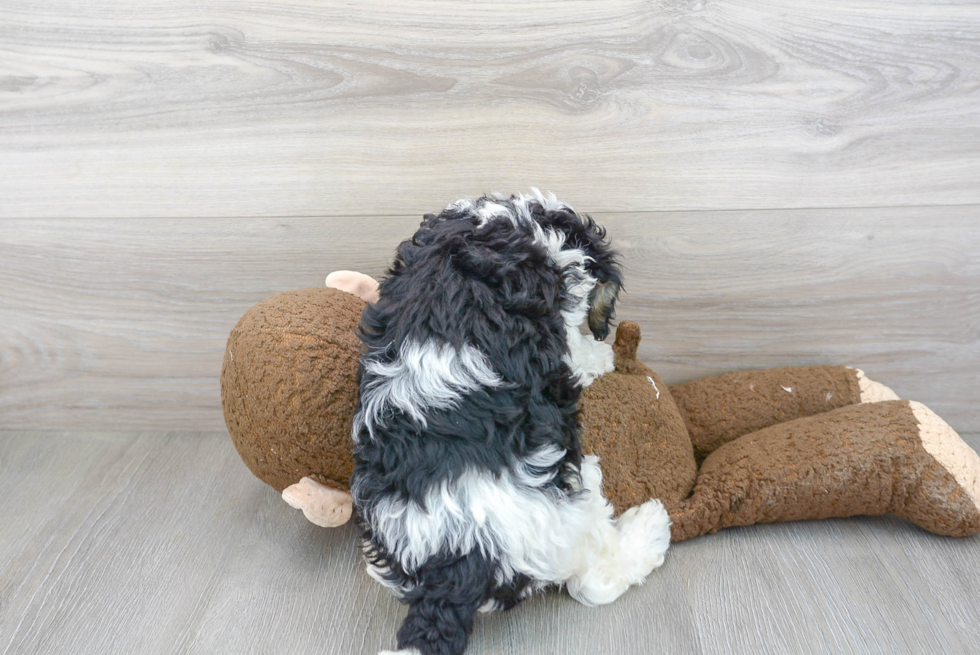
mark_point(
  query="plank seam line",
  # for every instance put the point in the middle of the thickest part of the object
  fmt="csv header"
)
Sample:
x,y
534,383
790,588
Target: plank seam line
x,y
589,211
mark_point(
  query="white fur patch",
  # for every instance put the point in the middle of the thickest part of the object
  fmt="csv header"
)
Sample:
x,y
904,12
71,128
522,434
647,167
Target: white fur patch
x,y
549,201
490,605
587,357
463,204
426,375
470,513
489,210
546,535
627,556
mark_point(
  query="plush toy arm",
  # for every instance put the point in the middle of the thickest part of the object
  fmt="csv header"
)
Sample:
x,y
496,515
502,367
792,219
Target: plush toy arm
x,y
720,409
889,457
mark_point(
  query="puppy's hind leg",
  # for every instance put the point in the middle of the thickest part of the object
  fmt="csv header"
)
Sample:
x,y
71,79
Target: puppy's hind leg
x,y
620,553
442,605
644,537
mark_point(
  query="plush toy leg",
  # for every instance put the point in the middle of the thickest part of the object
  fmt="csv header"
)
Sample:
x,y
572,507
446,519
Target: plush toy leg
x,y
721,409
889,457
322,505
362,286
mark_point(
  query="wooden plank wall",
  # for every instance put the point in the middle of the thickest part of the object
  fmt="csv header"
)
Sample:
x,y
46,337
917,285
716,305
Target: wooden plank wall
x,y
791,182
310,108
122,323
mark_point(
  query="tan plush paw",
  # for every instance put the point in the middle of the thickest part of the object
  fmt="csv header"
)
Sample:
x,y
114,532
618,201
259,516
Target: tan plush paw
x,y
363,286
321,505
871,391
949,450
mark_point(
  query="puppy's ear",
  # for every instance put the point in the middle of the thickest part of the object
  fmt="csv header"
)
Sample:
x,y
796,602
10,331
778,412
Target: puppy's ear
x,y
602,308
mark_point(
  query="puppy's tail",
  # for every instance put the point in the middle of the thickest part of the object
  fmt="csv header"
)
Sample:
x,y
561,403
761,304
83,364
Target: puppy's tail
x,y
443,603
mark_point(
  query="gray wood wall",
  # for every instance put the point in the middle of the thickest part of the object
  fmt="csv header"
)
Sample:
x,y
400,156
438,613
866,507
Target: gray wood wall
x,y
791,183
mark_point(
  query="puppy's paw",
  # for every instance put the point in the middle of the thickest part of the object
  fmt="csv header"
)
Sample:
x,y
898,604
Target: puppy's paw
x,y
644,536
604,359
590,359
634,549
600,584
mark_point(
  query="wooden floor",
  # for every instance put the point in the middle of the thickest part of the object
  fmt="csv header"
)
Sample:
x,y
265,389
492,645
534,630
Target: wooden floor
x,y
165,543
789,182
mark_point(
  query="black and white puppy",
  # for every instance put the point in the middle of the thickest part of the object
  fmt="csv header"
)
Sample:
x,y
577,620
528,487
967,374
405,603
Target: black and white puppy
x,y
470,482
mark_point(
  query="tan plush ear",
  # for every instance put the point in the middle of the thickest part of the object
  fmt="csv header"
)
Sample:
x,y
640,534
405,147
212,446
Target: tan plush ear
x,y
875,458
363,286
624,349
321,505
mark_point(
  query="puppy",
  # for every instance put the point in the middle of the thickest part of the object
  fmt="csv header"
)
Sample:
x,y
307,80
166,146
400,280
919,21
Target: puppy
x,y
470,483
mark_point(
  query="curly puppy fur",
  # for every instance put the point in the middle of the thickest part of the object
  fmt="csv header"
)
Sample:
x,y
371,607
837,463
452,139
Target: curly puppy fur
x,y
470,483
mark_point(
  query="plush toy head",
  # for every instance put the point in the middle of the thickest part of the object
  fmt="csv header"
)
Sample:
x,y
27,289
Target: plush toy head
x,y
289,386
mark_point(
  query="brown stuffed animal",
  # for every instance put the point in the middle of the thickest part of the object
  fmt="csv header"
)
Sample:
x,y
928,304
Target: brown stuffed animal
x,y
753,447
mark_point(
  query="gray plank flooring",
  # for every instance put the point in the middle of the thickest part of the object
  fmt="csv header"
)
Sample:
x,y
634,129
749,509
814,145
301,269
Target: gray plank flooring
x,y
165,543
121,324
312,108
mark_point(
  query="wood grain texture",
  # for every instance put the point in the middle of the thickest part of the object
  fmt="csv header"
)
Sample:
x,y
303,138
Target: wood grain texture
x,y
308,108
165,543
122,324
784,587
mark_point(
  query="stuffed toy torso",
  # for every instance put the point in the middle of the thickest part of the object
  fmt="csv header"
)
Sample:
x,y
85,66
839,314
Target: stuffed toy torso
x,y
743,448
